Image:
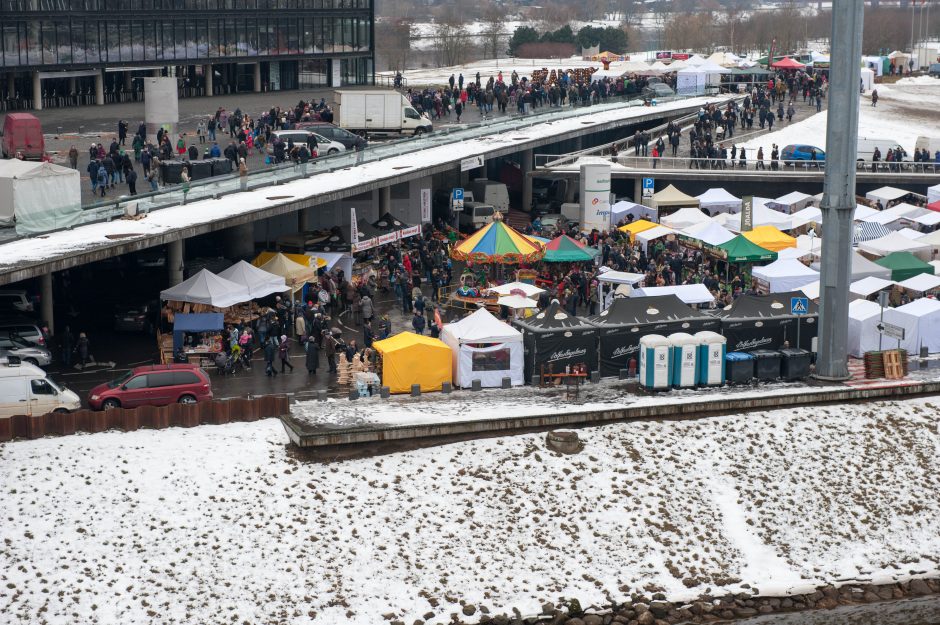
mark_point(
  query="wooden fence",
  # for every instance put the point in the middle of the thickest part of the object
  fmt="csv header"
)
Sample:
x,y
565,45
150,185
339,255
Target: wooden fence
x,y
216,412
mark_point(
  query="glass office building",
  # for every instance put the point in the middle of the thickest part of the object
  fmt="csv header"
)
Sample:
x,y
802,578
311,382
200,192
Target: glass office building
x,y
68,52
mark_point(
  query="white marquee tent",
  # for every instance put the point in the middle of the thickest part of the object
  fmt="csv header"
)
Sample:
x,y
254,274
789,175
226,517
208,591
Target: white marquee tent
x,y
39,197
623,209
895,242
710,233
648,236
862,268
870,285
207,288
791,202
921,322
921,283
484,348
886,194
933,194
684,218
258,281
719,200
785,275
863,316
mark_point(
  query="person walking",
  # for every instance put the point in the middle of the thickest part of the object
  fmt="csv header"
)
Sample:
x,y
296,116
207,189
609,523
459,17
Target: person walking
x,y
270,350
329,344
102,174
242,174
874,98
312,355
73,157
283,352
83,349
131,178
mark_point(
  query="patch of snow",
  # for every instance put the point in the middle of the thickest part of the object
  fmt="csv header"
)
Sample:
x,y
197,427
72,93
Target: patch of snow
x,y
916,80
226,523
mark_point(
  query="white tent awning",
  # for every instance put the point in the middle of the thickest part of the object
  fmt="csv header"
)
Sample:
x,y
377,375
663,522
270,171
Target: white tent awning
x,y
688,293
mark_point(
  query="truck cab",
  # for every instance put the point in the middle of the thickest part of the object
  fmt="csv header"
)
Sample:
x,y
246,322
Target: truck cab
x,y
25,390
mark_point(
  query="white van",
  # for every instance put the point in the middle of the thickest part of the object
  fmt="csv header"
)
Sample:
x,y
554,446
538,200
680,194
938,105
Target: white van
x,y
25,390
491,192
930,143
867,145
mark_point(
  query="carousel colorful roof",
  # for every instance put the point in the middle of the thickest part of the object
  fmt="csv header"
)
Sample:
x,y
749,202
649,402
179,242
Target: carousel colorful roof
x,y
498,243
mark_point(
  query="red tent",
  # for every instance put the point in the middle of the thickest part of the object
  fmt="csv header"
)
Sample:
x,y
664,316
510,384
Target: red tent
x,y
934,206
787,63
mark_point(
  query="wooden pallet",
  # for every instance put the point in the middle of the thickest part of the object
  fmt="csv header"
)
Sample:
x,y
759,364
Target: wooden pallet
x,y
893,370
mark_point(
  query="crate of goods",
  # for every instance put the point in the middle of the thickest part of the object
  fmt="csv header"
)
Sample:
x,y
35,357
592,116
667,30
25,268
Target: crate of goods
x,y
794,363
739,367
766,364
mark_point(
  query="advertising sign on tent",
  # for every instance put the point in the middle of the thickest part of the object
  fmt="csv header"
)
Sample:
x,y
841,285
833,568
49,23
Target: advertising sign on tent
x,y
747,213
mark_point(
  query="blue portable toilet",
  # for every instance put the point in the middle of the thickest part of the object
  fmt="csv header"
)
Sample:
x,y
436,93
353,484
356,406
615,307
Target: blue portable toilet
x,y
712,348
684,359
655,362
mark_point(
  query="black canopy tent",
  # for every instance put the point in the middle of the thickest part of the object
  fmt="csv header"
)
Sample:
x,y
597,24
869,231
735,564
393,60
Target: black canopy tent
x,y
556,339
765,322
628,319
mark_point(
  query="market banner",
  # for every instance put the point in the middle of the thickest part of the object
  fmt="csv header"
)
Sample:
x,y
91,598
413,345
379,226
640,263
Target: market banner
x,y
410,231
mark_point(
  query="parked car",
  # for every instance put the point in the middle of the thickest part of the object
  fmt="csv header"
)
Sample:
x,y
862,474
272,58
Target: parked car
x,y
21,328
15,301
153,385
324,145
334,133
26,352
802,153
658,90
934,70
25,389
551,220
139,318
153,258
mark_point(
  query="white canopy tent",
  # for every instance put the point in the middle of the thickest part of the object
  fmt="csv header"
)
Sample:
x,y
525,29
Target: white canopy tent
x,y
623,209
895,242
647,236
784,275
610,277
517,301
867,78
685,218
693,79
928,219
862,268
863,335
719,200
921,322
207,288
810,214
886,194
39,197
688,293
862,211
897,216
529,290
710,233
933,241
921,283
791,202
811,290
484,348
342,260
910,233
870,285
258,281
933,194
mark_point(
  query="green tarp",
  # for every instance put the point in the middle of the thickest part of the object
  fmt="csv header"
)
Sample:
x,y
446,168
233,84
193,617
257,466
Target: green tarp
x,y
564,249
904,265
741,250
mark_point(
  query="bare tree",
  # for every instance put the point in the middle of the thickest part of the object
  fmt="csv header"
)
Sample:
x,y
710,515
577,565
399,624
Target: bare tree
x,y
393,42
452,39
494,34
733,12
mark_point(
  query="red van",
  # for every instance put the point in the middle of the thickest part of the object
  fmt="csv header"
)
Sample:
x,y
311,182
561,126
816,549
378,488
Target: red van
x,y
22,133
153,385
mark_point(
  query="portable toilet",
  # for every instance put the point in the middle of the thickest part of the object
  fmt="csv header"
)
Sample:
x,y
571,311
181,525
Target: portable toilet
x,y
712,348
655,362
684,360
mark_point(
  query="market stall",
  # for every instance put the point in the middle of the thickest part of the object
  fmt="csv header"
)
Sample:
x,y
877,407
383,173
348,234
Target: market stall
x,y
648,236
409,358
865,231
708,233
921,322
685,218
634,228
564,249
740,249
791,202
607,278
622,325
886,194
894,243
484,348
925,283
719,200
208,325
868,286
623,210
862,268
37,196
783,275
863,335
696,79
206,289
259,282
899,216
555,340
392,229
904,265
672,198
294,274
764,322
769,238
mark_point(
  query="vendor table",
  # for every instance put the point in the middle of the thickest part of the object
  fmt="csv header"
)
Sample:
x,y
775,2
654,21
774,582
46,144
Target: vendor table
x,y
572,380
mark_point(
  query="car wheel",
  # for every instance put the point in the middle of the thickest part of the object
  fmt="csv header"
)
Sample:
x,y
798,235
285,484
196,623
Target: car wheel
x,y
332,151
187,399
31,361
109,404
61,411
419,131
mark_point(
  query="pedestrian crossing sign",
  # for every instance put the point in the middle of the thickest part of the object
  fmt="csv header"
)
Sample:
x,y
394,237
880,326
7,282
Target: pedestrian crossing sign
x,y
799,305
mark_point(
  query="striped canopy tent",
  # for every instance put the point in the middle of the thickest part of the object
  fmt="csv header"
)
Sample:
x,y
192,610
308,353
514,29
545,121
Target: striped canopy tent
x,y
868,231
564,249
498,243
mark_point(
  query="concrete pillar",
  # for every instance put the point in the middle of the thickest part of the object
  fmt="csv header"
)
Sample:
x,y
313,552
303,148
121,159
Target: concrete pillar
x,y
37,92
174,261
527,167
578,144
11,84
638,190
156,73
209,77
240,241
45,300
99,88
257,76
73,85
385,201
128,81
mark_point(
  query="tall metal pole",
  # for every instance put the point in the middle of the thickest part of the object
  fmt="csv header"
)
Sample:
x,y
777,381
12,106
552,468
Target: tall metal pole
x,y
838,203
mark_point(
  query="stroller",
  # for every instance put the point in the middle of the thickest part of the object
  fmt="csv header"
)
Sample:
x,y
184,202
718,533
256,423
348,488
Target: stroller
x,y
227,363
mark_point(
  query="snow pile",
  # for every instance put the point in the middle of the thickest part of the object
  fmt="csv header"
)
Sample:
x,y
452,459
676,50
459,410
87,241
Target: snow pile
x,y
226,524
917,80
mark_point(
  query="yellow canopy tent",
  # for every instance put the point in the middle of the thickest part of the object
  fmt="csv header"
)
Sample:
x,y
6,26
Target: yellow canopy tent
x,y
770,238
294,274
301,259
410,358
637,227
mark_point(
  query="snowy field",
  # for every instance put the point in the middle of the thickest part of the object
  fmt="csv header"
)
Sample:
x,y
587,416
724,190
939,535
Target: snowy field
x,y
226,524
904,112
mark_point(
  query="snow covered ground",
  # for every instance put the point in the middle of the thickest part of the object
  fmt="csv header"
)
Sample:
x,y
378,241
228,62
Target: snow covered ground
x,y
227,524
904,112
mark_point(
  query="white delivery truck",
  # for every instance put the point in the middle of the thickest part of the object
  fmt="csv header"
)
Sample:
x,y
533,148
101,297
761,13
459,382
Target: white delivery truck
x,y
25,390
378,111
491,192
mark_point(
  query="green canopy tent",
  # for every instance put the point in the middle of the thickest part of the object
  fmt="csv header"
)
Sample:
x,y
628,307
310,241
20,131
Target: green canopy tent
x,y
904,265
741,250
564,249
